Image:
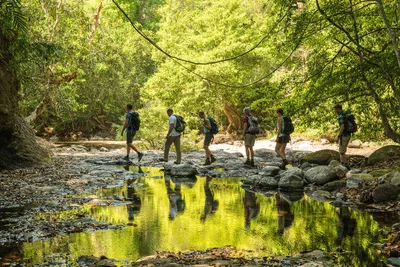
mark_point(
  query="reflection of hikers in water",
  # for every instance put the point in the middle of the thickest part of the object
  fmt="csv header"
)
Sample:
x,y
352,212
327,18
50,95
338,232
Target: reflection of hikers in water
x,y
134,198
176,203
346,225
210,205
251,207
285,216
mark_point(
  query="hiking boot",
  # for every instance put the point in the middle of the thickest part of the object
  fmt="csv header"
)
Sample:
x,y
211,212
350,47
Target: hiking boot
x,y
247,162
126,157
283,165
140,155
208,162
175,162
252,163
213,158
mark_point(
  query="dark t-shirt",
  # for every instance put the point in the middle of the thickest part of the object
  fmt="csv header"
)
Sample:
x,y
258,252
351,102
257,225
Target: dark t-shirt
x,y
128,116
343,120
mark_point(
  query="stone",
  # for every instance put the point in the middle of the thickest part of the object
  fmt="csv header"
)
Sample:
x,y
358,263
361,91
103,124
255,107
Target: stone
x,y
321,157
79,148
325,141
96,138
305,165
291,183
341,171
385,192
251,180
184,169
268,182
265,153
269,171
100,173
334,163
334,185
380,172
391,177
392,261
103,149
365,145
54,139
320,195
320,175
358,179
384,154
292,196
272,163
294,171
355,144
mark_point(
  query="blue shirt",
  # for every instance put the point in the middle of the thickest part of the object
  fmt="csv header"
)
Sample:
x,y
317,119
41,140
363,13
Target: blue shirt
x,y
343,120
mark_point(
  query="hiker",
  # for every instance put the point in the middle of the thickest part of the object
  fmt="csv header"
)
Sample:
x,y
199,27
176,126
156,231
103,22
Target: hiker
x,y
132,124
285,216
251,207
282,138
172,137
208,136
210,204
249,136
344,135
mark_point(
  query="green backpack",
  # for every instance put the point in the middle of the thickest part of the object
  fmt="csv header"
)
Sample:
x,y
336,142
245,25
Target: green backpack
x,y
180,124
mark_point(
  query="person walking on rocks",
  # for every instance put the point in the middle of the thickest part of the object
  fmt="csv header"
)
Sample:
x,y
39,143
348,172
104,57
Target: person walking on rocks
x,y
131,125
172,137
208,136
249,136
343,137
282,138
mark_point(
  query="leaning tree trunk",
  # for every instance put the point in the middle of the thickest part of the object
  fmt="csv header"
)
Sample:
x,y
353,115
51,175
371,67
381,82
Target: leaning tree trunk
x,y
233,116
18,146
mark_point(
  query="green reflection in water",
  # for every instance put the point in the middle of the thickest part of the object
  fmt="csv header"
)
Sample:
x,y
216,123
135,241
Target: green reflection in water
x,y
200,213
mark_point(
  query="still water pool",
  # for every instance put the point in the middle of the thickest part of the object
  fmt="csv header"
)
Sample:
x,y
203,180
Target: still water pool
x,y
172,214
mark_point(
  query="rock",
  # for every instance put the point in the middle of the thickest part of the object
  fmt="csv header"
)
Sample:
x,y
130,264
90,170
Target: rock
x,y
79,148
292,196
365,145
358,179
322,157
291,183
294,171
385,192
384,154
380,172
251,180
100,173
392,177
320,175
184,169
305,165
355,144
325,141
320,195
334,163
54,139
396,226
265,153
268,182
272,163
334,185
395,262
270,171
96,138
103,149
340,171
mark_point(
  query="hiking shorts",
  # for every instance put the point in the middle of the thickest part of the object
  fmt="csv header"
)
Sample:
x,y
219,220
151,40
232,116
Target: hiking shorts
x,y
249,139
129,136
343,142
284,139
207,139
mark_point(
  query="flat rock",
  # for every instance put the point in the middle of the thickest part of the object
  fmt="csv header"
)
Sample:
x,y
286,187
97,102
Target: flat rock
x,y
269,171
355,144
321,157
334,185
291,183
185,169
267,182
320,175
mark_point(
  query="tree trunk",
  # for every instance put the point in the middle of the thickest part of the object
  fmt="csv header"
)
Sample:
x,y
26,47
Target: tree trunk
x,y
18,146
234,119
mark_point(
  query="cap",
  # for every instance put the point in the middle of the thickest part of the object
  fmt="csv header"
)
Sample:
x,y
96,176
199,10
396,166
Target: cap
x,y
337,106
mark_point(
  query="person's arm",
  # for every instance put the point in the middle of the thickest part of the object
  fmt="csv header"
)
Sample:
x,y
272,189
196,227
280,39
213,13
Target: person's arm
x,y
341,130
207,124
125,126
279,128
244,129
171,127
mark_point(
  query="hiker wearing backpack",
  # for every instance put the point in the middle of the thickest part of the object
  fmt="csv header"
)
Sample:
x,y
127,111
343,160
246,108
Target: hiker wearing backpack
x,y
346,127
176,126
250,129
285,128
210,128
131,125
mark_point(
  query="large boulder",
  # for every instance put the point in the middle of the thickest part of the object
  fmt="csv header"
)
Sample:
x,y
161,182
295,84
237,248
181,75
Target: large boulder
x,y
355,144
385,192
294,171
265,153
269,171
341,171
291,183
384,154
322,157
320,175
185,169
380,172
392,177
251,180
267,182
334,185
356,180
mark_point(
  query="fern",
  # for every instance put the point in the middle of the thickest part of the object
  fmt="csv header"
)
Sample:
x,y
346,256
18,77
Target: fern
x,y
12,20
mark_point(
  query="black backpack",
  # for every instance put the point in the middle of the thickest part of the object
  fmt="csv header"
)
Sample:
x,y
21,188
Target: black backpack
x,y
214,125
134,121
351,126
288,126
180,124
253,127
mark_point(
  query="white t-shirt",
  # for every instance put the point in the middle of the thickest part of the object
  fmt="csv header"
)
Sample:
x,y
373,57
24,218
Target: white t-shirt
x,y
172,120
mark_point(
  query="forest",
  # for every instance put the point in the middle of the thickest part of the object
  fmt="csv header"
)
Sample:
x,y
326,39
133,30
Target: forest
x,y
72,66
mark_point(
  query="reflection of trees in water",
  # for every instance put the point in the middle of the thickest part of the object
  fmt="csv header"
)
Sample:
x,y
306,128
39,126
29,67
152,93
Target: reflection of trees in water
x,y
346,224
251,207
133,197
210,204
285,216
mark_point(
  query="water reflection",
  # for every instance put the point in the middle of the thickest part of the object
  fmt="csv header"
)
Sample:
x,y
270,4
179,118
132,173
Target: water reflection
x,y
175,214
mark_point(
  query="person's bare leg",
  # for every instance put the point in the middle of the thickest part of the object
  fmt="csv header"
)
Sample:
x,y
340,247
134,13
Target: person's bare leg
x,y
251,153
247,152
208,152
282,152
134,148
278,149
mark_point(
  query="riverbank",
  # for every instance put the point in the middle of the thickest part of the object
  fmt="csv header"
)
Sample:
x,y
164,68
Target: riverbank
x,y
31,197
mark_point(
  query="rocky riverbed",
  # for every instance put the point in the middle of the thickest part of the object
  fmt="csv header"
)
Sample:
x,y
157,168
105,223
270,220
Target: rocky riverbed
x,y
30,197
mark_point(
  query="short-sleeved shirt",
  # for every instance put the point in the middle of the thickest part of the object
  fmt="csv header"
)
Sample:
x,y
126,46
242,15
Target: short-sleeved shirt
x,y
246,120
172,120
205,122
281,134
128,116
343,120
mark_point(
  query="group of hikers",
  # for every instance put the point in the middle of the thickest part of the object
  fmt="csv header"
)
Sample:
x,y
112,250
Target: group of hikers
x,y
284,126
